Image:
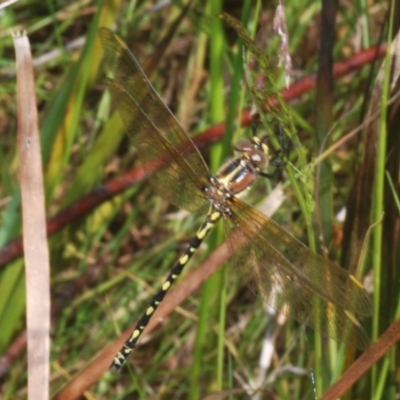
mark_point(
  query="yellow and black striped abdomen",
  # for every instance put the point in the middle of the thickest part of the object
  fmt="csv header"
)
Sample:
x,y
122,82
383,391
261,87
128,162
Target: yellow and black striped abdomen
x,y
130,344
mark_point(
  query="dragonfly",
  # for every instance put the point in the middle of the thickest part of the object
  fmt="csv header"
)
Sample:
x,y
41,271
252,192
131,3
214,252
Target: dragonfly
x,y
288,275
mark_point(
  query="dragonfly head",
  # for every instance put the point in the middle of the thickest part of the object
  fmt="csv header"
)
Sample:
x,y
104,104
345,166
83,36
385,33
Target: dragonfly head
x,y
254,150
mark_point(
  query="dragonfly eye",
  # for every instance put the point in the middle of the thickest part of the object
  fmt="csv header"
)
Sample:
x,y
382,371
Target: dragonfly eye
x,y
258,158
244,146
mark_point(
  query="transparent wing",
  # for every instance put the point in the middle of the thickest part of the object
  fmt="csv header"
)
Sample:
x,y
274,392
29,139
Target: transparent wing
x,y
174,165
295,280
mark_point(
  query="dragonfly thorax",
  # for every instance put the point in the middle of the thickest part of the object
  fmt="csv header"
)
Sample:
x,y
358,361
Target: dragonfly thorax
x,y
239,174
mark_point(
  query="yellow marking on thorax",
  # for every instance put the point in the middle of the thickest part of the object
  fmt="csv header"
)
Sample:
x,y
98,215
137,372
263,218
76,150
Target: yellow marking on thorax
x,y
227,179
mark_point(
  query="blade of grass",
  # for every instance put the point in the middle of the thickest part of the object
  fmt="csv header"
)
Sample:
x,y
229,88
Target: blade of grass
x,y
37,265
61,127
324,118
323,123
12,302
384,77
212,291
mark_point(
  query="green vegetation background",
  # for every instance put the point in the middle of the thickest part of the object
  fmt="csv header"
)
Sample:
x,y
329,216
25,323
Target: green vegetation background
x,y
106,266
